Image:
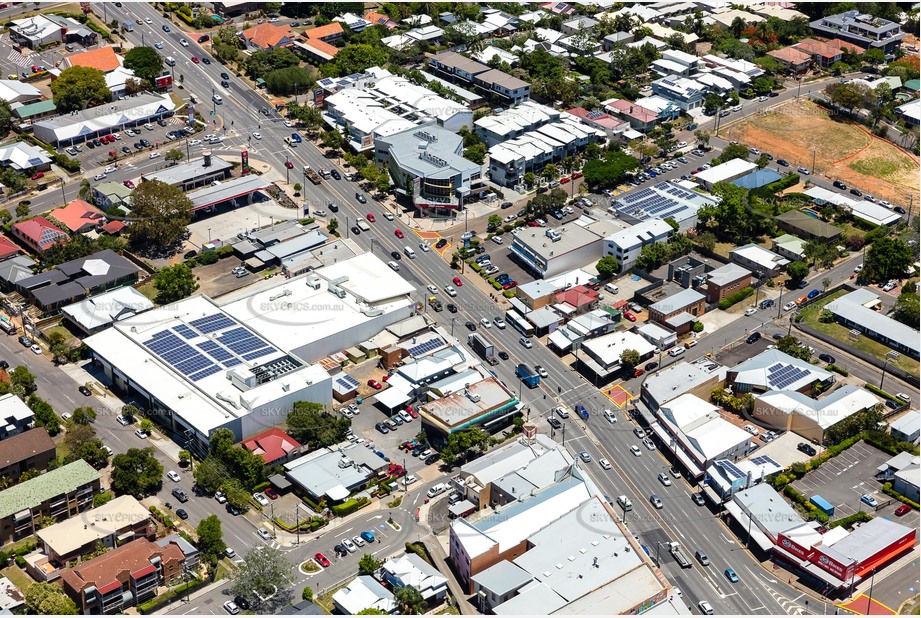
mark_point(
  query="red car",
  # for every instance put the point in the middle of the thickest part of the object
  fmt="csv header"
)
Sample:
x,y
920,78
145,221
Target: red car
x,y
371,218
902,510
457,281
271,493
128,184
533,224
322,560
195,59
37,175
509,285
412,412
374,384
385,378
398,233
638,372
564,180
576,175
629,316
289,165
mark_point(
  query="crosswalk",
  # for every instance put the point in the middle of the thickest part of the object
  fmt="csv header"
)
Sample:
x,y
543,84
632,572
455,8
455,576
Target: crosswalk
x,y
18,59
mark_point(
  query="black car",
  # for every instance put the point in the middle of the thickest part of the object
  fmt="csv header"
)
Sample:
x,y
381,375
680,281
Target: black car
x,y
241,602
166,28
895,405
768,156
753,337
452,308
145,143
137,145
356,230
777,336
335,174
773,93
503,355
827,358
557,214
180,495
361,198
340,551
396,255
225,83
190,254
555,422
90,145
25,341
4,365
899,210
856,192
202,39
432,459
333,207
839,185
225,76
382,428
181,514
783,163
85,391
441,243
126,149
764,304
805,447
233,510
470,326
651,366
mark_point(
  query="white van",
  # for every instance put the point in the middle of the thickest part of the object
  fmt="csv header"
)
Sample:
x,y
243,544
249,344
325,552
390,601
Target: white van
x,y
625,503
610,287
435,490
676,351
393,265
409,252
217,99
525,342
609,415
170,61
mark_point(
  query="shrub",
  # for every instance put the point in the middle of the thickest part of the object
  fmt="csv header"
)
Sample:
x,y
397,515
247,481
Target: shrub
x,y
207,257
476,267
889,491
739,296
496,285
879,391
837,369
224,251
349,506
698,327
21,562
885,442
850,519
261,486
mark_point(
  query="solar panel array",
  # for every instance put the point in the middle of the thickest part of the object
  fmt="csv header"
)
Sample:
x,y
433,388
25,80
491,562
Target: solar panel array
x,y
212,323
245,343
782,376
730,468
181,356
659,201
763,460
425,346
347,382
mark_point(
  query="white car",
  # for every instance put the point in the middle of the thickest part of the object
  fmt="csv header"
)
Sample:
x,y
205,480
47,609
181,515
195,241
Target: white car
x,y
261,499
388,216
450,291
116,136
289,124
183,42
220,497
636,450
194,142
663,478
147,20
425,248
141,434
406,416
499,322
231,608
99,177
154,155
604,463
409,479
65,416
35,349
257,134
751,311
498,240
486,323
264,534
681,144
432,289
171,475
790,305
111,169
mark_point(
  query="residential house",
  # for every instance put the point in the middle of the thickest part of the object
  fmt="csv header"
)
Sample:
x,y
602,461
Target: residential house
x,y
411,570
726,281
502,86
11,597
807,227
640,118
793,59
25,158
273,445
8,249
600,120
577,25
32,449
685,303
861,29
38,233
79,217
267,36
112,195
363,592
853,311
759,260
15,416
379,19
14,91
102,58
36,111
823,54
725,18
789,246
686,93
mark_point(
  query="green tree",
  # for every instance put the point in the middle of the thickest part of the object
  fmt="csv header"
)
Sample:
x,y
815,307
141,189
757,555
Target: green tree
x,y
887,258
288,81
494,222
793,347
459,444
146,425
210,538
159,215
730,152
83,416
309,423
529,179
355,59
368,565
225,44
826,283
6,118
259,64
22,210
174,283
44,414
629,359
136,473
907,310
130,412
79,87
702,136
797,270
332,139
476,153
652,256
874,56
607,267
21,376
46,599
707,240
550,172
146,62
5,217
372,611
307,595
608,171
174,154
263,579
409,600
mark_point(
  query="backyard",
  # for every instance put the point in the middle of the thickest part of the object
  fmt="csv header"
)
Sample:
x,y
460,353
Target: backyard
x,y
810,317
800,130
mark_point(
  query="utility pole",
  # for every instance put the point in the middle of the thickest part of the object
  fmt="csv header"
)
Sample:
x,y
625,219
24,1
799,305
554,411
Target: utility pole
x,y
813,161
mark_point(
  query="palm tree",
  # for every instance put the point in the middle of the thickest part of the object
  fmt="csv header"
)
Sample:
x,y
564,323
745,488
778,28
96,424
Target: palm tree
x,y
409,600
86,191
736,27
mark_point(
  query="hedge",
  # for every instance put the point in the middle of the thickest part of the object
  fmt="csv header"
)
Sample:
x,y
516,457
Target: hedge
x,y
885,442
739,296
880,392
777,186
850,519
260,487
170,595
812,512
837,369
349,506
208,257
889,491
224,251
476,267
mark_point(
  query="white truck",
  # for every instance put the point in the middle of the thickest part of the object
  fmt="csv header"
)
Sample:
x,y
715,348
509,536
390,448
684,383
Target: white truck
x,y
675,550
625,503
362,224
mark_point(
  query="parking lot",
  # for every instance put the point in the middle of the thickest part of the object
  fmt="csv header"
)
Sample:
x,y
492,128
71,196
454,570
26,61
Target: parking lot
x,y
843,479
128,146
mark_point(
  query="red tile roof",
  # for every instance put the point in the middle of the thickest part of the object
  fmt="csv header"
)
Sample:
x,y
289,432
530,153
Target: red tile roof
x,y
267,35
790,55
322,47
271,445
839,44
112,569
598,118
105,59
77,214
7,247
113,227
633,110
380,20
578,296
324,32
40,231
818,48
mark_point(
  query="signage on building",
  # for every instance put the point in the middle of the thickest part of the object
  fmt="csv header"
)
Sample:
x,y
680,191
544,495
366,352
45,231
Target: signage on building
x,y
417,186
794,548
831,565
191,115
244,161
367,141
318,98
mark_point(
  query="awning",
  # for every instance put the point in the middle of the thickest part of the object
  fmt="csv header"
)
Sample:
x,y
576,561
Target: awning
x,y
763,541
559,340
337,492
685,459
392,398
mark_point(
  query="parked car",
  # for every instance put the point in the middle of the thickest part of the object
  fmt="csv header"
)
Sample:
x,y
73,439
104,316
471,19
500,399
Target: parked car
x,y
869,500
805,447
755,336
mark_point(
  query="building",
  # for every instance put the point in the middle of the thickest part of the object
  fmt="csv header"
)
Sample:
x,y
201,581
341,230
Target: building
x,y
800,224
427,166
119,521
861,209
698,378
194,174
547,252
123,577
333,475
273,445
903,472
60,493
38,233
514,122
11,597
772,370
910,112
267,36
759,260
676,62
810,418
724,477
686,301
486,403
101,311
724,172
78,279
24,157
110,195
411,570
601,355
861,29
363,592
823,54
793,59
852,311
663,200
236,192
658,336
15,416
8,249
14,91
726,281
79,217
627,244
685,93
38,30
302,608
104,119
600,120
32,449
907,427
757,179
493,83
235,8
102,58
640,118
14,268
33,112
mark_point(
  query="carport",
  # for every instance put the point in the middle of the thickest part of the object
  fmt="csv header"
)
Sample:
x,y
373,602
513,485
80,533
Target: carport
x,y
392,398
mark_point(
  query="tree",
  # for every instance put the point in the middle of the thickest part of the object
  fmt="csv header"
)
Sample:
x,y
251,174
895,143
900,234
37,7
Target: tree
x,y
159,215
22,210
476,153
409,600
44,414
210,538
6,118
874,56
607,267
263,579
130,412
494,222
225,44
610,170
21,376
174,154
136,473
290,80
368,565
888,258
550,172
332,139
46,599
259,64
78,88
730,152
356,58
146,62
826,283
629,359
907,310
310,424
372,611
146,426
307,595
530,179
707,240
793,347
174,283
460,443
797,270
762,161
702,136
83,416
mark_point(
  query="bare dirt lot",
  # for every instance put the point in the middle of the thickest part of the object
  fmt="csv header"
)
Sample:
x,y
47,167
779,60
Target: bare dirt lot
x,y
843,151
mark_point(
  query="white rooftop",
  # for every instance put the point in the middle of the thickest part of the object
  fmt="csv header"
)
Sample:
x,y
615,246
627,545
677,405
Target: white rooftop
x,y
730,170
826,411
96,524
608,348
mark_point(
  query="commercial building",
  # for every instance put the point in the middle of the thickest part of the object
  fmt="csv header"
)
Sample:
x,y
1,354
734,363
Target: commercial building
x,y
698,378
119,521
273,445
15,416
33,112
104,119
810,418
39,30
38,233
60,493
194,174
907,427
31,449
657,336
725,477
772,370
486,403
903,472
427,166
123,577
491,82
236,192
759,260
14,91
726,281
800,224
663,200
601,355
333,475
861,29
852,311
99,312
724,172
24,157
687,301
411,570
547,252
364,592
861,209
102,59
514,122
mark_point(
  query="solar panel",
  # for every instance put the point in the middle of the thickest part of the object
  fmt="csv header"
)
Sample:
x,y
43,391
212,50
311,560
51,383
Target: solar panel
x,y
204,373
212,323
731,469
347,381
426,346
775,367
764,459
258,353
185,331
233,362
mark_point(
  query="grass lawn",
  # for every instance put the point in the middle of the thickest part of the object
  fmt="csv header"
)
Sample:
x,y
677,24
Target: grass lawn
x,y
723,249
448,610
18,577
325,600
842,333
68,336
149,291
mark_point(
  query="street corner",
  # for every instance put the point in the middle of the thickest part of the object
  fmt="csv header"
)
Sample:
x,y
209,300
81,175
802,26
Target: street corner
x,y
427,235
619,396
866,606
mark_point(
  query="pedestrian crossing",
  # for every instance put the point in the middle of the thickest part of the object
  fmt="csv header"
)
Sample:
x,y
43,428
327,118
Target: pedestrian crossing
x,y
18,59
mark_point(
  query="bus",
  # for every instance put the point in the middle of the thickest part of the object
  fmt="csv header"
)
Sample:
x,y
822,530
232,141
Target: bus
x,y
519,323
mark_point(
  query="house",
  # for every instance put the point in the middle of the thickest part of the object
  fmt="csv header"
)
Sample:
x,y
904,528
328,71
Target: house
x,y
112,195
795,60
757,179
102,58
910,112
411,570
123,577
724,172
804,226
363,592
333,475
15,416
38,233
273,445
688,301
380,20
759,260
599,120
852,310
330,33
861,29
100,312
823,54
24,157
725,18
789,246
492,82
267,36
684,92
640,118
8,249
60,493
32,449
79,217
14,91
773,370
726,281
627,244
